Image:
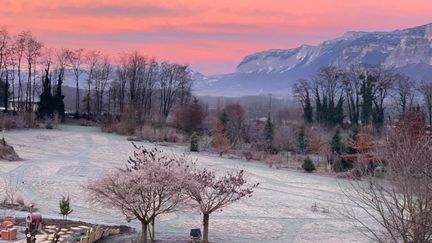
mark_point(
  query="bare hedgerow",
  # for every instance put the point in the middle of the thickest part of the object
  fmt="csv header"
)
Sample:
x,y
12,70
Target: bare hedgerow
x,y
285,138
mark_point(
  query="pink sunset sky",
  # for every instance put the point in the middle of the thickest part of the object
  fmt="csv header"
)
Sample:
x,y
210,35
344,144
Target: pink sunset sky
x,y
212,36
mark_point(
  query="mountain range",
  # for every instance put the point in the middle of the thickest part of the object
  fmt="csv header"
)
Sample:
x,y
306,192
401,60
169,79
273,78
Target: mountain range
x,y
408,51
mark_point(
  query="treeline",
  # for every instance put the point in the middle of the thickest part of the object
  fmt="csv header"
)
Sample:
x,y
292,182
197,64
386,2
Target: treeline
x,y
360,95
132,85
18,60
148,87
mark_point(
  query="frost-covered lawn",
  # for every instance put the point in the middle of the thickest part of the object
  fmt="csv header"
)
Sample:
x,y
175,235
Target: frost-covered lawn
x,y
60,162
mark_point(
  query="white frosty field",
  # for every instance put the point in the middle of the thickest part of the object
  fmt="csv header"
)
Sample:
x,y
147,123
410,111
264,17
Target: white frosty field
x,y
60,162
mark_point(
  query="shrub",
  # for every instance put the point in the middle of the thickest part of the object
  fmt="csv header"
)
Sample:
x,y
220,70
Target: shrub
x,y
285,138
302,141
194,143
19,120
248,155
219,139
125,127
189,117
48,124
308,165
65,208
171,137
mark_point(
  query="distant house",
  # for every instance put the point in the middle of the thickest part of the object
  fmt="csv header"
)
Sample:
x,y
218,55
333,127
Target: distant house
x,y
15,103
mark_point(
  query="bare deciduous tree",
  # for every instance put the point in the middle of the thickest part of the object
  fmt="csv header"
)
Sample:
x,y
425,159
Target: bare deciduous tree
x,y
405,91
426,91
20,45
102,75
6,65
329,83
301,90
12,186
152,184
174,83
383,81
121,74
75,58
401,203
211,192
352,83
233,120
32,51
92,59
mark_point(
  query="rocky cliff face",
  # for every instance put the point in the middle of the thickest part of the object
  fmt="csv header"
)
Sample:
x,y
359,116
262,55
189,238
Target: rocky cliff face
x,y
408,51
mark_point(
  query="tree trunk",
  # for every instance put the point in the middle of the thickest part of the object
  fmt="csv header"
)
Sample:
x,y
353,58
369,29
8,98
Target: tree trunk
x,y
430,116
206,227
19,99
6,92
88,96
77,101
144,226
153,230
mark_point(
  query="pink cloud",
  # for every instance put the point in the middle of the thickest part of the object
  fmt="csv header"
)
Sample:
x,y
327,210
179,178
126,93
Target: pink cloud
x,y
206,34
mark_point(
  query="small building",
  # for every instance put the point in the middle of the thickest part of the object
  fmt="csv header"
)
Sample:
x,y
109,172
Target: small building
x,y
15,104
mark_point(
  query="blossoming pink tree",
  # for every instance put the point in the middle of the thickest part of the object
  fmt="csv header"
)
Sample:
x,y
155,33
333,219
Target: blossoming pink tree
x,y
152,184
211,192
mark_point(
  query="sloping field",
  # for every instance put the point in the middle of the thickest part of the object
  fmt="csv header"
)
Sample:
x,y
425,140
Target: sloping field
x,y
60,162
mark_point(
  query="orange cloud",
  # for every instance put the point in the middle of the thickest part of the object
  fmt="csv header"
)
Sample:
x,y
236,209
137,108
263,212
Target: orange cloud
x,y
207,34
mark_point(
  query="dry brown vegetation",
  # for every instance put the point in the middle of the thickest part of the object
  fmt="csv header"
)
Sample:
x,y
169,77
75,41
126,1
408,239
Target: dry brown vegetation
x,y
18,120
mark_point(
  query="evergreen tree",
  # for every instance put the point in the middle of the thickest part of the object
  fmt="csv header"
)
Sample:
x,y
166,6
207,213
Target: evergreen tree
x,y
308,165
194,147
366,93
318,112
355,116
4,91
268,133
331,114
308,110
65,208
324,110
418,109
336,143
338,148
302,142
59,106
45,107
338,113
348,164
378,118
354,133
375,109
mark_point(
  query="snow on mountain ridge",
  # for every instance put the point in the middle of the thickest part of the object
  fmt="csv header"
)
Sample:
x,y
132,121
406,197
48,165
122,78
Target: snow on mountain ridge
x,y
408,51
